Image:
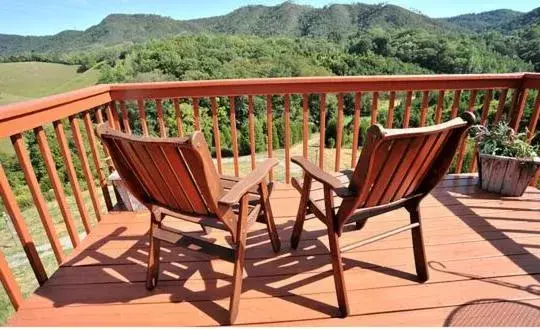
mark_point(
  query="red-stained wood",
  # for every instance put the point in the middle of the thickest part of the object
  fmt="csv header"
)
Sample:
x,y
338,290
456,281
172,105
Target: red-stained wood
x,y
112,115
440,104
37,196
305,124
356,126
322,128
269,132
217,138
81,151
125,117
178,115
455,104
96,158
500,106
424,108
10,285
74,182
374,108
391,107
161,121
485,107
16,217
58,188
196,114
518,107
142,117
251,124
472,100
339,132
234,134
287,117
534,118
483,119
407,114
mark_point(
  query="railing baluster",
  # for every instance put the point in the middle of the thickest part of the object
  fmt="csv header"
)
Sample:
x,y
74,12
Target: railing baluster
x,y
125,117
407,114
57,185
483,119
17,220
339,132
178,114
391,107
217,139
374,108
161,122
500,106
196,114
142,116
472,100
108,159
33,185
440,104
305,125
234,134
251,124
66,153
287,115
322,124
455,104
10,285
423,108
95,156
534,118
485,106
356,127
517,109
112,116
77,138
269,128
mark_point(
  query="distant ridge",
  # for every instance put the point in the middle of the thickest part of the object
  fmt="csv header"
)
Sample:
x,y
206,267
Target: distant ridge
x,y
289,19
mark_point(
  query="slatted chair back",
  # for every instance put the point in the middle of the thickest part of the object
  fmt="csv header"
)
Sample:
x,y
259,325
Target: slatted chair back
x,y
175,173
397,164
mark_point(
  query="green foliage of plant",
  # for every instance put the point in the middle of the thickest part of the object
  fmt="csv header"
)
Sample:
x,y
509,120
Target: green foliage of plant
x,y
501,140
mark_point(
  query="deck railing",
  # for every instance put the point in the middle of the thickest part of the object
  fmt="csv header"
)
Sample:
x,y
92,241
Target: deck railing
x,y
110,103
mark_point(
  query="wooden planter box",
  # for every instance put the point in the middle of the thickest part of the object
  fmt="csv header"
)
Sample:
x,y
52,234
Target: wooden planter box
x,y
506,176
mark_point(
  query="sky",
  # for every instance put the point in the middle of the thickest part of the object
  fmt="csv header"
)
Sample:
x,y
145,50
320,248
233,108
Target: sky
x,y
46,17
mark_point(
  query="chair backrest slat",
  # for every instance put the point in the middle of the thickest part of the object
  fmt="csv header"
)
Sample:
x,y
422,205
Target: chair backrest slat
x,y
399,163
177,173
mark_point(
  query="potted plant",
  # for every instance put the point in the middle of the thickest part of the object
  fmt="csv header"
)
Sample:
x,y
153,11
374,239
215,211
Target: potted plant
x,y
506,162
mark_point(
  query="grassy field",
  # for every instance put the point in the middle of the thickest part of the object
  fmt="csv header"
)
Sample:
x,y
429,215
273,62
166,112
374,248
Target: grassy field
x,y
23,81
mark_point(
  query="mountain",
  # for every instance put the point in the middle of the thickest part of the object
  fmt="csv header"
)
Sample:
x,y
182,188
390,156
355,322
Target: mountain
x,y
483,21
289,19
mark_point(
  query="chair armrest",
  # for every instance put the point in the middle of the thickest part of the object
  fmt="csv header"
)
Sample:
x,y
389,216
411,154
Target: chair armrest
x,y
243,186
317,174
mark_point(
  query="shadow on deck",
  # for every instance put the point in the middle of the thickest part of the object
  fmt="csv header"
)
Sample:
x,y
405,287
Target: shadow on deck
x,y
483,253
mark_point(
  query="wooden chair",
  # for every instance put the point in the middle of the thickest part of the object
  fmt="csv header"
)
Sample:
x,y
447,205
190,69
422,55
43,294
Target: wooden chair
x,y
397,168
176,177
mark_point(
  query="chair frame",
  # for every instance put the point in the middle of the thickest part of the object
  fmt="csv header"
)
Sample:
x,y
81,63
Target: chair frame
x,y
353,196
240,196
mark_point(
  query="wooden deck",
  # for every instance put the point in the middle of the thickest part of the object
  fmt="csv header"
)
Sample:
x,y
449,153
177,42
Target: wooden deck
x,y
483,251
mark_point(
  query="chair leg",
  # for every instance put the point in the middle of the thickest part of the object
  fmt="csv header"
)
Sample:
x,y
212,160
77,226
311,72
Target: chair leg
x,y
361,223
418,245
302,210
239,260
269,217
335,253
152,274
337,267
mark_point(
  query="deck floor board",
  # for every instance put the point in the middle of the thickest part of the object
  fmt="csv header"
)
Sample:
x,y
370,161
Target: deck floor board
x,y
483,253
